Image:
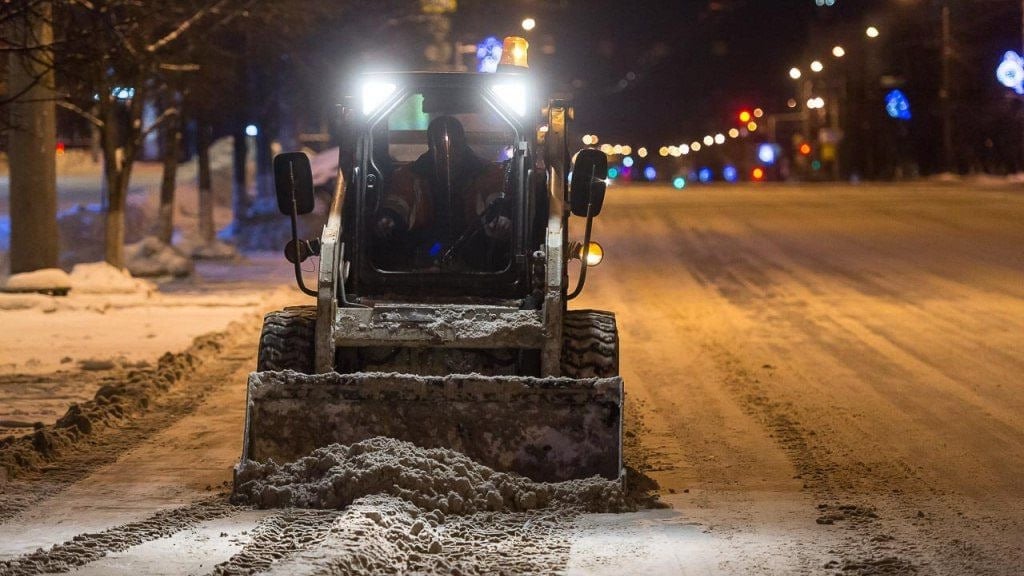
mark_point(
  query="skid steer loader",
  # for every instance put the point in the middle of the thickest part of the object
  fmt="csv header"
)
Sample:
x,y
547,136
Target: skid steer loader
x,y
455,332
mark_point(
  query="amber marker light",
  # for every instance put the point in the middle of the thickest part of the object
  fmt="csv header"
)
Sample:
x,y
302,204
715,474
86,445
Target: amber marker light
x,y
595,253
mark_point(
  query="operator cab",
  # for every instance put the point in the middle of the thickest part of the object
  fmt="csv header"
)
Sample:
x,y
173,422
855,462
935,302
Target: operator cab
x,y
440,187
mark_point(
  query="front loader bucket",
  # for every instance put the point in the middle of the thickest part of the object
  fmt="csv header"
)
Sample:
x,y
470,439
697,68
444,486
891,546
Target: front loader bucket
x,y
548,429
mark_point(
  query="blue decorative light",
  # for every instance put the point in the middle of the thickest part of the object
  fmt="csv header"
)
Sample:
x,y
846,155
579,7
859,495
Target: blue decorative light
x,y
679,182
729,173
650,173
627,161
766,153
613,173
488,54
897,106
704,175
1010,71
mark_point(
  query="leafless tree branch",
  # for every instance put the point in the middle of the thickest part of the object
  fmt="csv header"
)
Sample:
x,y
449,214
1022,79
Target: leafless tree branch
x,y
91,118
181,29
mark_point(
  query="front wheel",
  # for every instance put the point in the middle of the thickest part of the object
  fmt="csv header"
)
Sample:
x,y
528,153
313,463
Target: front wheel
x,y
590,344
288,339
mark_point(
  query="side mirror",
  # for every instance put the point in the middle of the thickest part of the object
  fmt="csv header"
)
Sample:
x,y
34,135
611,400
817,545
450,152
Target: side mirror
x,y
586,191
293,181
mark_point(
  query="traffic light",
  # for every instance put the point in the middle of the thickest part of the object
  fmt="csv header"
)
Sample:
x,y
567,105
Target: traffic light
x,y
745,116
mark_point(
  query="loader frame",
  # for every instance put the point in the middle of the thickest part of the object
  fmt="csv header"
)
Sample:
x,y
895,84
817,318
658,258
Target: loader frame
x,y
347,324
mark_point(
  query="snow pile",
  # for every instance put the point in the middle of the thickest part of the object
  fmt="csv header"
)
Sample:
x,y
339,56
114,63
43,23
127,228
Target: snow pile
x,y
113,404
151,257
432,479
215,250
102,278
91,278
48,280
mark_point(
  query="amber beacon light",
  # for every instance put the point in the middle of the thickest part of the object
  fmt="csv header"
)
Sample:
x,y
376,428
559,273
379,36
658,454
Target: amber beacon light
x,y
514,52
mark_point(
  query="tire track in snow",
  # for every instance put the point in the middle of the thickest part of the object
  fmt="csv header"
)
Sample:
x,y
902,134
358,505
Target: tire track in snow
x,y
278,537
387,535
870,548
86,548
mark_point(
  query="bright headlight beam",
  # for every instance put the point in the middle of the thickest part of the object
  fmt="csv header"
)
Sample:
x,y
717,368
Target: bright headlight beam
x,y
375,94
513,95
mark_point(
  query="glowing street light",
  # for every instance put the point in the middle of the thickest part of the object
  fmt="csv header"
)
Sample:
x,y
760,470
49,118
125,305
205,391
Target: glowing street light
x,y
838,51
719,138
795,73
529,24
709,140
817,66
871,32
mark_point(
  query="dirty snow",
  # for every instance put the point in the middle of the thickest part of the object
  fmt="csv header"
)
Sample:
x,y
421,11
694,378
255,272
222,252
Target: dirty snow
x,y
151,257
433,479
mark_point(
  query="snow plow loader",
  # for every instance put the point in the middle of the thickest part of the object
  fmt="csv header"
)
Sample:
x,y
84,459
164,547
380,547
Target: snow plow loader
x,y
441,293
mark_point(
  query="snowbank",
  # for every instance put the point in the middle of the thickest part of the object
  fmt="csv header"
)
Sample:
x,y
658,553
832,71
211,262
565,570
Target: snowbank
x,y
102,278
47,280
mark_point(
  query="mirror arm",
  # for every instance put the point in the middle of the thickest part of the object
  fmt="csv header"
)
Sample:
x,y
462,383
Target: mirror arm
x,y
586,247
295,242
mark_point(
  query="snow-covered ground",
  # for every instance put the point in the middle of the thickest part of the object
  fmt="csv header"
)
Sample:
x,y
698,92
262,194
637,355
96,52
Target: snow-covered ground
x,y
823,380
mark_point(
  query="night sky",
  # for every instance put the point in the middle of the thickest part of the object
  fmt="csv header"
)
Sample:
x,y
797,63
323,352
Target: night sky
x,y
658,71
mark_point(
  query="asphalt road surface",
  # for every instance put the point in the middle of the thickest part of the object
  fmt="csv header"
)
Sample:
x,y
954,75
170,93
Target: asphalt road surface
x,y
823,380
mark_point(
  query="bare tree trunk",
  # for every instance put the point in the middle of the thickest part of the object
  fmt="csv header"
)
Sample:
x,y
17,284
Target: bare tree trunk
x,y
32,148
117,191
118,157
165,217
239,180
206,226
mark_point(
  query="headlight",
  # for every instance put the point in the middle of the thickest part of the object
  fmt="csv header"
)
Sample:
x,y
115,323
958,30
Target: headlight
x,y
375,94
513,95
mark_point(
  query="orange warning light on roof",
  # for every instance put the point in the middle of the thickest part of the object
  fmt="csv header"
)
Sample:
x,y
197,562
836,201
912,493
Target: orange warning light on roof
x,y
514,52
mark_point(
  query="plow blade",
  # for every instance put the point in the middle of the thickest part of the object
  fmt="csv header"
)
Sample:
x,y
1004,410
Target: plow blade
x,y
548,429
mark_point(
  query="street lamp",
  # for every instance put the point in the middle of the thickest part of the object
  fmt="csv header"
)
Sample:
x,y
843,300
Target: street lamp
x,y
871,32
838,51
529,24
817,66
795,73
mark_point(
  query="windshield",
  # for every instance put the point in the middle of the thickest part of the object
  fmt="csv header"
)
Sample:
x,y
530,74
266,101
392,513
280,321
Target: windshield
x,y
443,203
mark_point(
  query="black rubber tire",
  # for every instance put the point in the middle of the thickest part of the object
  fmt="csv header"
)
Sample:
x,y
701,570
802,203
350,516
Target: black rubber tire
x,y
590,344
287,340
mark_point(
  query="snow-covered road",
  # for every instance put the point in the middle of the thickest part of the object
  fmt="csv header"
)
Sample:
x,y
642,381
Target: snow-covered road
x,y
822,379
